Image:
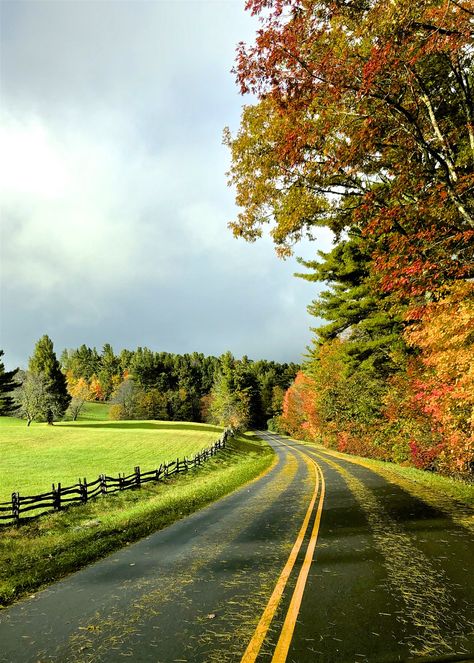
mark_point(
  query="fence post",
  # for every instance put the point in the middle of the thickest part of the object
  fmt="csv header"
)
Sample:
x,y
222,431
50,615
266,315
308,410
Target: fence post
x,y
121,481
158,472
166,470
103,484
56,497
16,507
137,476
83,490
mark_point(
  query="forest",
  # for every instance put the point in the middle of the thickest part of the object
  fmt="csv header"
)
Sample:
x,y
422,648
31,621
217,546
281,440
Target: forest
x,y
362,121
143,384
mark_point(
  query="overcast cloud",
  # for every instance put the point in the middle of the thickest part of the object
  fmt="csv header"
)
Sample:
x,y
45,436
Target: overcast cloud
x,y
114,204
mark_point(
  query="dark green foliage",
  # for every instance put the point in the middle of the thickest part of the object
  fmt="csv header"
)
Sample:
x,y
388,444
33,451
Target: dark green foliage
x,y
354,309
109,366
83,362
7,385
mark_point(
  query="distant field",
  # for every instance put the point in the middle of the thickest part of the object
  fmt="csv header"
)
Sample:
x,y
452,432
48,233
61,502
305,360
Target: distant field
x,y
94,412
33,458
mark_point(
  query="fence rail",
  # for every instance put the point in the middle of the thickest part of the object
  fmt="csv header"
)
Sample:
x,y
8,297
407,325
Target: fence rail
x,y
60,497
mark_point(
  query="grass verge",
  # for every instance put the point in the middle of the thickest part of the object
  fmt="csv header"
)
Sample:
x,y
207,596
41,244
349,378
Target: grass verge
x,y
35,554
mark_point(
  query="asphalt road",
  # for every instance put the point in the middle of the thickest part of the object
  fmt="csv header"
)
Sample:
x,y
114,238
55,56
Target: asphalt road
x,y
320,560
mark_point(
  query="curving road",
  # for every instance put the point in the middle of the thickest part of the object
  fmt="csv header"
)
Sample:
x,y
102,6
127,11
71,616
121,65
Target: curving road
x,y
320,560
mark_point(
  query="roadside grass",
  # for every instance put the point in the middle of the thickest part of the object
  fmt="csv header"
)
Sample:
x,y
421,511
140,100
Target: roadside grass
x,y
35,554
35,457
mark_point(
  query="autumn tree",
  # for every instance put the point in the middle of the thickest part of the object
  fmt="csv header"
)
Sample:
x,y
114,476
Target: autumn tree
x,y
364,117
151,404
80,393
442,389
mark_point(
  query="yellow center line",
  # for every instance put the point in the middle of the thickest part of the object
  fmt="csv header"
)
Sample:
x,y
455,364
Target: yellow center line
x,y
284,641
255,644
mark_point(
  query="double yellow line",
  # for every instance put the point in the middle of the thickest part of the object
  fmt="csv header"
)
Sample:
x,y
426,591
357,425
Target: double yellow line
x,y
286,634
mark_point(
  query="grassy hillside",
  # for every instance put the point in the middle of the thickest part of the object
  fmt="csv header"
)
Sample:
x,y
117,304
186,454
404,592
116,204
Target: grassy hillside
x,y
34,457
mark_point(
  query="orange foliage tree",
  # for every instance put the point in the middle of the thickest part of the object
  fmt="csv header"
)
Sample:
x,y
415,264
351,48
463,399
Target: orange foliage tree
x,y
443,387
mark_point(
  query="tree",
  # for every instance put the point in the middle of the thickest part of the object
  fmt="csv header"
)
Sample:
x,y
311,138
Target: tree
x,y
80,393
109,371
442,387
84,362
44,363
278,394
230,406
7,386
125,400
151,404
364,118
355,309
33,398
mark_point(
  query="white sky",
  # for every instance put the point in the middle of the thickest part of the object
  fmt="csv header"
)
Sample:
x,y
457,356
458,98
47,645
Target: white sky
x,y
114,203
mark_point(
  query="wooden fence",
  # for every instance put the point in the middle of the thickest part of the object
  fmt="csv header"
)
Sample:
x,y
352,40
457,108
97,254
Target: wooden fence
x,y
60,497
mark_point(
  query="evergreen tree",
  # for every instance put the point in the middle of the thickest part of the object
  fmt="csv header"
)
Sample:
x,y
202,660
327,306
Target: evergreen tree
x,y
7,385
246,382
109,369
354,309
44,363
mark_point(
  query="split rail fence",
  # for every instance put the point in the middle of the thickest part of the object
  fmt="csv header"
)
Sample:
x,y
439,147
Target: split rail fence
x,y
60,497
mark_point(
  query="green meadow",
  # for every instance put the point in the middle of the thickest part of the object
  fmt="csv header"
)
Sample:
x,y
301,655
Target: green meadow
x,y
34,457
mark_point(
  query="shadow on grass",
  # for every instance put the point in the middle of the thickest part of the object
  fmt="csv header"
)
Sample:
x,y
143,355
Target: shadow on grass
x,y
143,425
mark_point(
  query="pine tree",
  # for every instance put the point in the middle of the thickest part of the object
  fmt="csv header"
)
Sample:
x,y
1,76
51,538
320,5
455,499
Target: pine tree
x,y
7,385
354,309
109,369
44,363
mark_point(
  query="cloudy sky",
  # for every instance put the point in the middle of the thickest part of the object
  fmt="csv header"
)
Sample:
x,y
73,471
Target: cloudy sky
x,y
114,203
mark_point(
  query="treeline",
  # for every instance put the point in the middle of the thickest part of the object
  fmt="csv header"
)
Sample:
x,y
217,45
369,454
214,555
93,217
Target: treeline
x,y
363,124
143,384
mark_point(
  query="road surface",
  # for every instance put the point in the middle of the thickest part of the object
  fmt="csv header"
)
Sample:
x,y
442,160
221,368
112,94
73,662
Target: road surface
x,y
319,560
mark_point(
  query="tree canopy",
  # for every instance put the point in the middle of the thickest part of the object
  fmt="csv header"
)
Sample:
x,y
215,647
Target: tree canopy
x,y
364,118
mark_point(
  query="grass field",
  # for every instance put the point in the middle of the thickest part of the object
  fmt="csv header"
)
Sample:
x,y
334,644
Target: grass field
x,y
34,457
